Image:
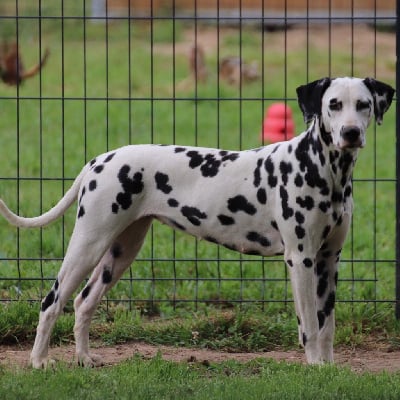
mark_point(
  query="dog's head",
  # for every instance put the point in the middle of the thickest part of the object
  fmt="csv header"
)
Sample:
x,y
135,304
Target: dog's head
x,y
345,107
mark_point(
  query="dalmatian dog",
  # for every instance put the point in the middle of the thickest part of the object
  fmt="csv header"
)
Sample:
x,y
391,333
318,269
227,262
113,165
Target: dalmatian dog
x,y
292,198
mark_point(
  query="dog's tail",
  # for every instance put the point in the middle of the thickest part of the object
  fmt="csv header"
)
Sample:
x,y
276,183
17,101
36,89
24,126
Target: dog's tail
x,y
57,211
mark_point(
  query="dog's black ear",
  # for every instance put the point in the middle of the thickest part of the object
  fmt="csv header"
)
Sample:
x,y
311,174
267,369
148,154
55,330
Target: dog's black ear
x,y
310,96
382,94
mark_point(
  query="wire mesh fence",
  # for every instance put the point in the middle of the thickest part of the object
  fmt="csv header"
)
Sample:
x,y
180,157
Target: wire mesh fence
x,y
82,77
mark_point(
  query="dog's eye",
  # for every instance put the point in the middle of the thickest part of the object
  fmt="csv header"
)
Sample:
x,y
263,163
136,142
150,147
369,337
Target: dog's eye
x,y
335,105
362,105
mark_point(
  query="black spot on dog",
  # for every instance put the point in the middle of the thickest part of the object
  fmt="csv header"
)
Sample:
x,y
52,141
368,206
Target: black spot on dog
x,y
48,301
109,157
326,136
326,231
92,162
289,262
300,247
130,186
345,162
56,284
286,169
347,191
307,262
302,153
299,217
193,214
257,173
86,291
227,156
81,212
337,197
274,225
162,182
270,168
226,219
300,232
333,156
262,196
275,149
82,194
330,303
209,163
114,208
304,339
307,202
240,203
287,211
196,159
98,168
324,246
256,237
313,179
324,206
179,149
320,267
173,202
116,251
107,276
322,284
92,185
298,180
211,166
321,319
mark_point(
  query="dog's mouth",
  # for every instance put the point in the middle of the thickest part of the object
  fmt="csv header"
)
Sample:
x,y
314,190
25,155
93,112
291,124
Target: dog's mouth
x,y
351,145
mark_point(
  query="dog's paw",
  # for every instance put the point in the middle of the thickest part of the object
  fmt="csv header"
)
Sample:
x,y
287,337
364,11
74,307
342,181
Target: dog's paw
x,y
42,363
90,360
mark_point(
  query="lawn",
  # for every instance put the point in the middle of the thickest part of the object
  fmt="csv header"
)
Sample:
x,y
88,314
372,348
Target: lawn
x,y
157,379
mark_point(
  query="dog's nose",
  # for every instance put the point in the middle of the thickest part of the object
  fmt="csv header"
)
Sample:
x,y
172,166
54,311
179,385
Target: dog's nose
x,y
351,134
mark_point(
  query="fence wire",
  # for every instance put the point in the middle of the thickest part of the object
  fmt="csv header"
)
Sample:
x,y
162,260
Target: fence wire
x,y
130,72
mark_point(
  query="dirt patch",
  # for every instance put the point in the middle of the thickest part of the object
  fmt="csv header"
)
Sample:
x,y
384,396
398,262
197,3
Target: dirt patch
x,y
359,360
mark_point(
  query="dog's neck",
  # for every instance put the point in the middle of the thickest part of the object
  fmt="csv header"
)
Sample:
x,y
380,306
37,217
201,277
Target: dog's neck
x,y
341,161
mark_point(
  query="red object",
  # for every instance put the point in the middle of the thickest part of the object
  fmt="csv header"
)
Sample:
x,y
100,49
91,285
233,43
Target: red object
x,y
278,123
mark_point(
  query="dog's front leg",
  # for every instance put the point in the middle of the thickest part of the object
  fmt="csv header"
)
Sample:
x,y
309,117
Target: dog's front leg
x,y
326,270
303,285
326,274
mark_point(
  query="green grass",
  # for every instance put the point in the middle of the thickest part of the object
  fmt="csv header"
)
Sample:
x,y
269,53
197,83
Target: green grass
x,y
157,379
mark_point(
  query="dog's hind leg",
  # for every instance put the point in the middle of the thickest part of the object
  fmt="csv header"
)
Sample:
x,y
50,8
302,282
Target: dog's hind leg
x,y
107,272
84,252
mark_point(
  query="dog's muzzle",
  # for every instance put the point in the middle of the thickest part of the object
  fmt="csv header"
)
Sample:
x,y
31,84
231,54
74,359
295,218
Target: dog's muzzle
x,y
351,136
